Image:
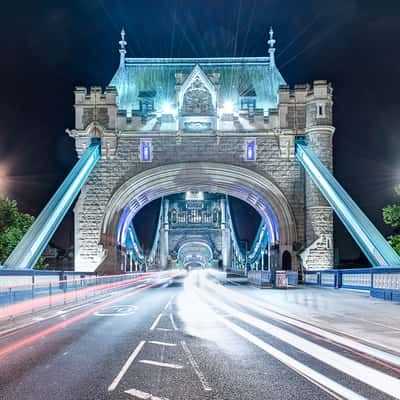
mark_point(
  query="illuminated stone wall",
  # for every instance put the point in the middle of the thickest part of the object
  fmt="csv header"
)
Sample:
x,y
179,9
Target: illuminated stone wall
x,y
273,132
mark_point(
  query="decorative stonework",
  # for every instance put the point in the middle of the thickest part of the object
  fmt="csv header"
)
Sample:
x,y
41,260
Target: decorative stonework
x,y
196,132
197,100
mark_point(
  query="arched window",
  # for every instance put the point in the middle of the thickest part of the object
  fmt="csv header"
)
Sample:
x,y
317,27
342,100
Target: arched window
x,y
286,261
215,217
174,216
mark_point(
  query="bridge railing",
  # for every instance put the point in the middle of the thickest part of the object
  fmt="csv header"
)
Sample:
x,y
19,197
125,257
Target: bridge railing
x,y
381,282
267,278
35,296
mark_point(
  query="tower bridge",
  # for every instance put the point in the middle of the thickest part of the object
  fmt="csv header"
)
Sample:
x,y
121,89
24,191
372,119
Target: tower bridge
x,y
177,128
196,230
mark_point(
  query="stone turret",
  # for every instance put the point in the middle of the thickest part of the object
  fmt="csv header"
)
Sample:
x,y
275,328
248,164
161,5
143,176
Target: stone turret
x,y
319,216
95,105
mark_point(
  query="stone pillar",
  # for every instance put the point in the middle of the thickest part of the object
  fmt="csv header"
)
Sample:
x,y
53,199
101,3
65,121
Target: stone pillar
x,y
164,246
319,215
226,237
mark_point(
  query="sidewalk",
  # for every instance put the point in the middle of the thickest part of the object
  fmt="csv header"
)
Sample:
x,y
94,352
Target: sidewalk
x,y
352,313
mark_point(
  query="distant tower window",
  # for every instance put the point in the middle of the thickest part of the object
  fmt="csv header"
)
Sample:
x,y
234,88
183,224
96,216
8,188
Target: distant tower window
x,y
145,151
146,106
146,102
174,217
248,103
215,217
321,111
250,150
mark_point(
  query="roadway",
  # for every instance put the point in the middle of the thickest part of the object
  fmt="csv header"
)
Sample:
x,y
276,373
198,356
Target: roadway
x,y
188,339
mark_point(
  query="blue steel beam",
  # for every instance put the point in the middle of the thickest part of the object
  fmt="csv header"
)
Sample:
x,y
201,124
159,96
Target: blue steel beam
x,y
154,248
29,249
236,248
132,244
259,244
369,239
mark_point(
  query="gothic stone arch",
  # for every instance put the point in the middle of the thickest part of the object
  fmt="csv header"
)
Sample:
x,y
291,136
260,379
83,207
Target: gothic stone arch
x,y
248,153
137,191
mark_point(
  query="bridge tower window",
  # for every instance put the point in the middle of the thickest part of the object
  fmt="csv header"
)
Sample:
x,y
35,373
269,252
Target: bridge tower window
x,y
145,151
250,150
174,216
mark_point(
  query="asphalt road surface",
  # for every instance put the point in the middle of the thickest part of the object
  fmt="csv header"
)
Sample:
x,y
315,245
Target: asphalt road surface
x,y
190,338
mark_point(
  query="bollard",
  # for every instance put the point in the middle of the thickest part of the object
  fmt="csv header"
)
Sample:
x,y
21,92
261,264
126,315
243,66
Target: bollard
x,y
50,294
33,295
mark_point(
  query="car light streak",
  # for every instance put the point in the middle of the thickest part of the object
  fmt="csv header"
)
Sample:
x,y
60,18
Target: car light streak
x,y
62,325
379,380
44,301
383,358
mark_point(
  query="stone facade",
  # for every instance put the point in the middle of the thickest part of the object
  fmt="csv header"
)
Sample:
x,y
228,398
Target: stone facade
x,y
303,111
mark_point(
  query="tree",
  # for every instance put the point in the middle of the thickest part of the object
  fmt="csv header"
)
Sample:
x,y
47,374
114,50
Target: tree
x,y
391,216
13,226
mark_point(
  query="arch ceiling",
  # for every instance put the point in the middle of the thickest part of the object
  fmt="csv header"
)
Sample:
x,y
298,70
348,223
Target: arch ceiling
x,y
245,184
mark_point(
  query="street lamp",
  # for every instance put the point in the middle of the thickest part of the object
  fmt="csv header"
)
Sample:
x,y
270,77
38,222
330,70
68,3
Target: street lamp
x,y
3,181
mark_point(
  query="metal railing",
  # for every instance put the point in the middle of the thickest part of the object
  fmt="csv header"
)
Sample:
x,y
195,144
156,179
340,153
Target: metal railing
x,y
25,298
382,282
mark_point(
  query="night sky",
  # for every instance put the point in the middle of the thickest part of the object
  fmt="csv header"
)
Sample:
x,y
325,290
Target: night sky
x,y
49,47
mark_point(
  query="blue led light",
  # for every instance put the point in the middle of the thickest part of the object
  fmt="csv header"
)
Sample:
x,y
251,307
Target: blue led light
x,y
251,151
145,150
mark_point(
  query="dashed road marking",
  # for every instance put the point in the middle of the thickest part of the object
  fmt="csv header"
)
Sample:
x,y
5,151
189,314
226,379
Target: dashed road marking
x,y
171,317
156,321
162,343
164,329
196,367
126,366
161,364
143,395
379,380
169,303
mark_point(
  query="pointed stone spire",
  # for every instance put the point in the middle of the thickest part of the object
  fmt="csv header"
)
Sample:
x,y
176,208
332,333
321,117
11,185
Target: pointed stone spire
x,y
122,50
271,43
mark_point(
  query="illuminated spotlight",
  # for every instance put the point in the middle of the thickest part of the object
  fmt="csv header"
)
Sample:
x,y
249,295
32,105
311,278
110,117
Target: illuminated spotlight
x,y
194,196
168,109
228,107
3,180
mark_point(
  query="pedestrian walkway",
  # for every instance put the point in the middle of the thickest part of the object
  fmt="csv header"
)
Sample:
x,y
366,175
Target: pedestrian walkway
x,y
352,313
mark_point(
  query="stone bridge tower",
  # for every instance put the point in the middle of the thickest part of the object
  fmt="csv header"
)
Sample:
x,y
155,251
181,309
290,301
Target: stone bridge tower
x,y
218,125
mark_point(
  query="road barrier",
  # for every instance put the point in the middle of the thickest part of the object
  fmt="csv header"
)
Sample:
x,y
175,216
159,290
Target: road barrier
x,y
280,279
381,282
35,296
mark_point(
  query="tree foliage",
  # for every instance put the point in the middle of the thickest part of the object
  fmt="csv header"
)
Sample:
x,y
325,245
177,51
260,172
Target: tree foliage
x,y
391,216
13,226
394,241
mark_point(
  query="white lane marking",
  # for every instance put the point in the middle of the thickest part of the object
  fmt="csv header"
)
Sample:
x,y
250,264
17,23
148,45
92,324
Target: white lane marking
x,y
143,395
370,376
171,317
164,329
126,366
169,303
196,367
162,343
342,340
161,364
315,377
156,321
